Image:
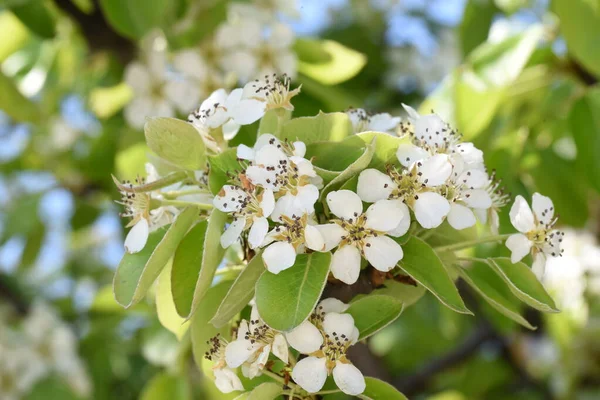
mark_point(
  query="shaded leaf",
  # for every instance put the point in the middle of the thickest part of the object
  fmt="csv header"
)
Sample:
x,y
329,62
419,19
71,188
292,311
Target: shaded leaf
x,y
374,312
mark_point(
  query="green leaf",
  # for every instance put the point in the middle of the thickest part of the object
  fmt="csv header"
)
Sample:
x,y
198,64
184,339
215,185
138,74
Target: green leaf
x,y
165,306
385,147
265,391
352,170
176,141
18,34
269,123
475,25
186,268
134,18
241,292
285,300
580,24
379,390
406,294
481,278
13,103
221,165
523,284
36,16
136,272
584,122
200,329
341,63
422,263
374,312
166,386
107,101
330,127
211,256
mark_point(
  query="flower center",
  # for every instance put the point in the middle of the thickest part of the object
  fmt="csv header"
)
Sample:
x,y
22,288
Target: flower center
x,y
259,333
408,183
291,230
216,352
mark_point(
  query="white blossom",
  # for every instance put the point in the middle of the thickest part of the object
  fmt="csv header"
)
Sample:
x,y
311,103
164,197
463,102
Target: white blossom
x,y
226,379
536,232
499,199
362,121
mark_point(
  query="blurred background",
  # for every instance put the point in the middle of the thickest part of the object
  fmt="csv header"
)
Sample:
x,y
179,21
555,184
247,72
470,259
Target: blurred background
x,y
78,77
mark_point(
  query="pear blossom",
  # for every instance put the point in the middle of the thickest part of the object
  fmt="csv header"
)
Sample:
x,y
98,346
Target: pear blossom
x,y
287,240
145,216
326,337
536,232
250,208
255,341
359,234
417,187
272,92
362,121
226,379
185,84
297,149
499,199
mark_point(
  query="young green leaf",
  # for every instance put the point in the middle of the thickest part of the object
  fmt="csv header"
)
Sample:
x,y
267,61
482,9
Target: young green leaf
x,y
200,329
136,272
493,290
285,300
176,141
342,64
134,18
164,385
422,263
241,292
211,256
379,390
221,165
406,294
265,391
523,284
186,268
165,306
374,312
330,127
584,121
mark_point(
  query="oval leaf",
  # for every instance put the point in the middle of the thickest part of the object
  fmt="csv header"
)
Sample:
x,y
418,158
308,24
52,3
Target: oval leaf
x,y
220,166
136,272
341,64
324,127
423,265
241,292
285,300
186,268
493,290
165,306
522,283
373,313
380,390
265,391
176,141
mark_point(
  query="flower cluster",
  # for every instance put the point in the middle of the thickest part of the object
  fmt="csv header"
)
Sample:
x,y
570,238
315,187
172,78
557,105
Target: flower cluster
x,y
41,347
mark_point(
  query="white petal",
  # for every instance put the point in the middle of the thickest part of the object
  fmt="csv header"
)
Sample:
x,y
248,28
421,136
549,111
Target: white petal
x,y
313,238
374,185
336,324
408,154
305,167
227,381
521,215
138,78
229,198
265,139
539,265
383,122
435,170
248,111
306,198
345,264
430,129
230,129
299,149
382,252
233,232
137,237
543,208
404,224
242,329
332,234
469,153
332,304
310,373
519,245
412,113
384,215
260,176
344,204
473,178
191,63
267,202
477,198
279,256
430,209
258,231
137,111
238,352
245,153
285,206
306,338
270,155
259,364
460,217
280,348
349,379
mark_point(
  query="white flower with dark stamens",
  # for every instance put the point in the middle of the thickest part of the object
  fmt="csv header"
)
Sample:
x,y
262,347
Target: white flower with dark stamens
x,y
297,149
417,187
292,237
361,234
499,200
327,345
255,341
289,177
250,210
226,379
364,122
536,233
145,218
